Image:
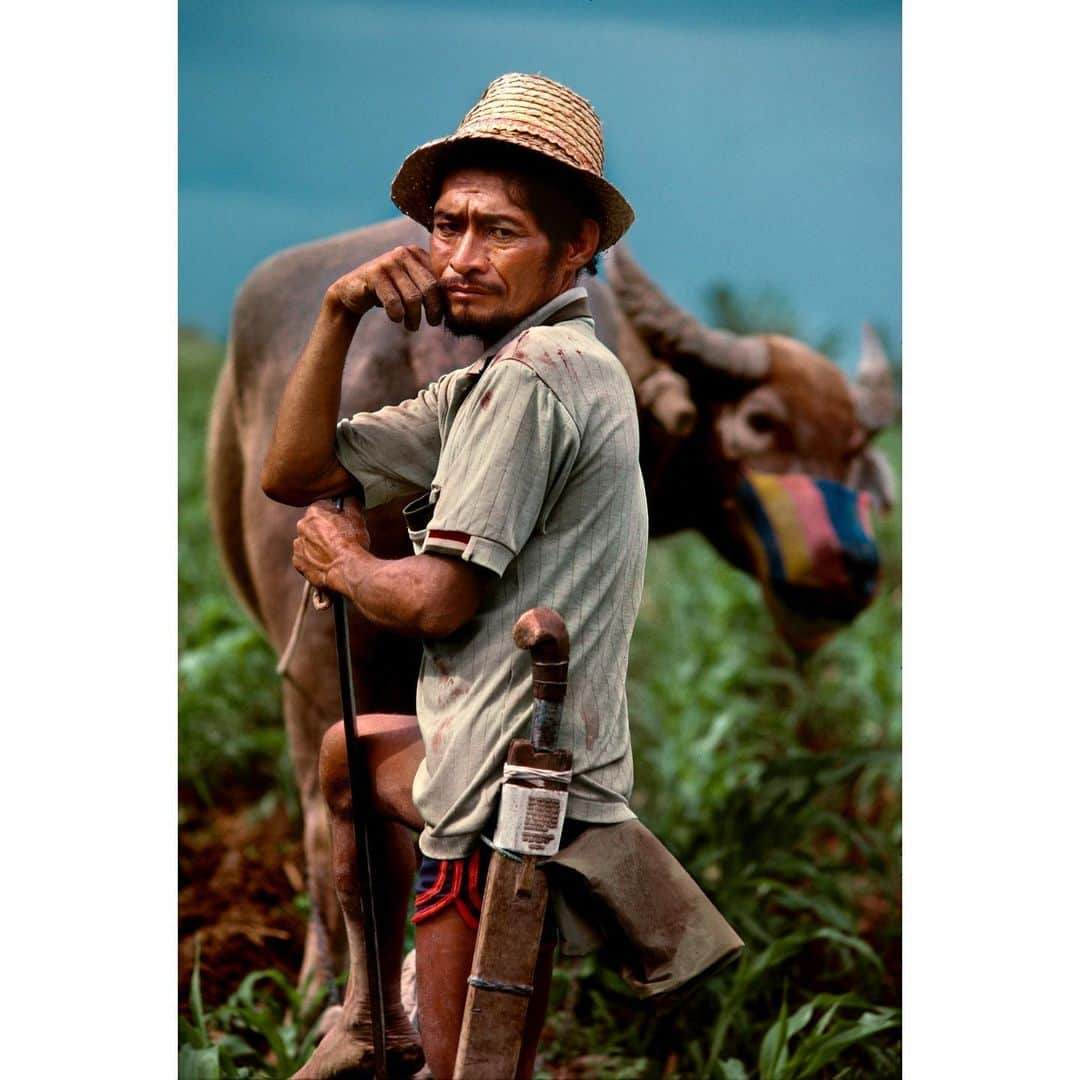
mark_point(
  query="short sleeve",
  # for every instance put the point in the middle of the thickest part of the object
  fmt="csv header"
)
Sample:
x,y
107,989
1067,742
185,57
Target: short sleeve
x,y
506,461
394,451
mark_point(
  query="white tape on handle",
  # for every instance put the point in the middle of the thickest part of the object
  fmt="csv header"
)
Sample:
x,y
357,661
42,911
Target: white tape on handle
x,y
531,818
527,772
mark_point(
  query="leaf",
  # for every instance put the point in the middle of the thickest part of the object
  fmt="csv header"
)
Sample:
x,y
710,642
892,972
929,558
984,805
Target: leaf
x,y
195,996
826,1049
732,1069
776,953
827,1016
190,1035
800,1019
773,1046
828,911
199,1063
854,943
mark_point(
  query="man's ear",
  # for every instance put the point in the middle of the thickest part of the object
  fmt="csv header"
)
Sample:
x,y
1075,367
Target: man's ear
x,y
578,252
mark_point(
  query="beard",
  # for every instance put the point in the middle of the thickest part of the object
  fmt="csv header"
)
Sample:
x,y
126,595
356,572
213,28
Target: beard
x,y
488,329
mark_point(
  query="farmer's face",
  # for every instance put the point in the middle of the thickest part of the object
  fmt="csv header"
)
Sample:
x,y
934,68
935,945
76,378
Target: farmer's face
x,y
492,260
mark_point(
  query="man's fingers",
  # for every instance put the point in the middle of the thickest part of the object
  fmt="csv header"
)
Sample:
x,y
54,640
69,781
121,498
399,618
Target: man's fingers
x,y
386,291
400,282
419,267
410,296
298,560
355,292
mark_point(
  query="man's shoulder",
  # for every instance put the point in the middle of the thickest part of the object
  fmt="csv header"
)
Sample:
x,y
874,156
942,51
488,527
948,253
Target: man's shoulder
x,y
567,357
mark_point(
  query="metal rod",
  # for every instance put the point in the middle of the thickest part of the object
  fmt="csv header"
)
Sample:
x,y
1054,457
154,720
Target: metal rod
x,y
360,791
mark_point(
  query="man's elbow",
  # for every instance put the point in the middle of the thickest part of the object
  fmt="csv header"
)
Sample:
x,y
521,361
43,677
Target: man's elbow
x,y
449,597
440,622
278,488
295,489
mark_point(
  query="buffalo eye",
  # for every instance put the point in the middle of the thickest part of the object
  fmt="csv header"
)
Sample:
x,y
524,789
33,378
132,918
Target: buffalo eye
x,y
761,422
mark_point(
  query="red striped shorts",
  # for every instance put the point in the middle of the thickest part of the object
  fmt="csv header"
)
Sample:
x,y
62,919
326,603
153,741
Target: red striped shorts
x,y
457,883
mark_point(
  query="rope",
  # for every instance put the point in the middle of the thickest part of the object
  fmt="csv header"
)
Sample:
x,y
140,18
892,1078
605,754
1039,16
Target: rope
x,y
322,944
526,772
294,634
517,989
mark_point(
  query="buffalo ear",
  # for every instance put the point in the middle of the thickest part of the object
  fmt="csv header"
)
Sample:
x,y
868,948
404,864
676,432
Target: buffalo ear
x,y
659,390
871,471
876,402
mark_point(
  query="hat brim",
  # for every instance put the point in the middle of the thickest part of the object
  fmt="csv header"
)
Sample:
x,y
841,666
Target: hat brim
x,y
413,188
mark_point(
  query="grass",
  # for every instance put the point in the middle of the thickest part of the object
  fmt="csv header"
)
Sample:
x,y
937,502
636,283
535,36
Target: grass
x,y
776,786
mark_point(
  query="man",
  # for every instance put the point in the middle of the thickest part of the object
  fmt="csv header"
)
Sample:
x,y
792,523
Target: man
x,y
534,497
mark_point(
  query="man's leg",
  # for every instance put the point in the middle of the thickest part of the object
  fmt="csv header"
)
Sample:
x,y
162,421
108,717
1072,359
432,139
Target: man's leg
x,y
394,750
444,953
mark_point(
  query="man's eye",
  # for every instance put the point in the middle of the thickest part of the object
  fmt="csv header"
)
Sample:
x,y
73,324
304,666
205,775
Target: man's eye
x,y
501,234
444,228
761,422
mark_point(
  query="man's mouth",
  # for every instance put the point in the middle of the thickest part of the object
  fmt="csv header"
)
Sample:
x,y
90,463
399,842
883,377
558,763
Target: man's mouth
x,y
465,290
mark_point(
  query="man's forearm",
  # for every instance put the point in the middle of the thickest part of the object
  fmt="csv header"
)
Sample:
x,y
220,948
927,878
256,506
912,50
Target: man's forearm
x,y
419,596
301,464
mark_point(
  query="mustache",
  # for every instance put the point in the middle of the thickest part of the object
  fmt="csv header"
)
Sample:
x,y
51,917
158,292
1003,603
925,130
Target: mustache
x,y
454,282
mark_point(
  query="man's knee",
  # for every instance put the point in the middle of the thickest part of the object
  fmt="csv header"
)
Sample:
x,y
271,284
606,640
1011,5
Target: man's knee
x,y
334,770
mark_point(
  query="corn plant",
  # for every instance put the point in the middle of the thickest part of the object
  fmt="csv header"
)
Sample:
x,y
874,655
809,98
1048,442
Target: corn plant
x,y
264,1029
776,784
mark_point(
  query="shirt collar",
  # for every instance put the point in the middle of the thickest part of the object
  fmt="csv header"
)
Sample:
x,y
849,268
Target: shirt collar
x,y
541,314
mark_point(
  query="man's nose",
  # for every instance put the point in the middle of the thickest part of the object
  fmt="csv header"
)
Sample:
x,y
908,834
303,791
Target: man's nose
x,y
469,254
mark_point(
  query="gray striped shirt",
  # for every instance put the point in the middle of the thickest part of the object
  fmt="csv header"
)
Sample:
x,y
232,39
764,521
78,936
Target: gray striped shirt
x,y
530,458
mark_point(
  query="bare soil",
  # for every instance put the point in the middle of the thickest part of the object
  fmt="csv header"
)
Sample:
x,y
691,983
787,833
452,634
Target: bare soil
x,y
241,873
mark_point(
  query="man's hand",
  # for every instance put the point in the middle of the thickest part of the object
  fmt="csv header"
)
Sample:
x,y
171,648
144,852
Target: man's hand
x,y
400,282
325,537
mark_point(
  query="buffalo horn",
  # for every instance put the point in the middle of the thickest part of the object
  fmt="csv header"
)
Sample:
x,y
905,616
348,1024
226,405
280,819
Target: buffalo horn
x,y
873,391
659,391
675,335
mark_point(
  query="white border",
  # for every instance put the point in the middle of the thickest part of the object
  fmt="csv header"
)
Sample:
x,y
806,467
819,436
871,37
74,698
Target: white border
x,y
89,441
990,643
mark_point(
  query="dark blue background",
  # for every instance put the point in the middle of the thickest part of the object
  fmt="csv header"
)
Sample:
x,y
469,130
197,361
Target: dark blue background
x,y
758,142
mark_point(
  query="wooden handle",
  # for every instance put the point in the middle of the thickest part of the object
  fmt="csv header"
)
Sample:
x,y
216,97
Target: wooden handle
x,y
543,632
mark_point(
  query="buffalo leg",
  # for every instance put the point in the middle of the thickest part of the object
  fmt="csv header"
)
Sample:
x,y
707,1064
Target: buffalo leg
x,y
306,720
393,751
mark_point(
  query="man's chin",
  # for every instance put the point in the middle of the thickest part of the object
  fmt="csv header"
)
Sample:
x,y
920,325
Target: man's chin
x,y
488,329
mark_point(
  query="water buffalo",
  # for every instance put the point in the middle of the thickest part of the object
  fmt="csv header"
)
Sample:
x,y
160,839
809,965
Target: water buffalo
x,y
707,399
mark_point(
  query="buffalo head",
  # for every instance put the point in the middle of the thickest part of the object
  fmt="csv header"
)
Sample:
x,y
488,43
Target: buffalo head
x,y
716,405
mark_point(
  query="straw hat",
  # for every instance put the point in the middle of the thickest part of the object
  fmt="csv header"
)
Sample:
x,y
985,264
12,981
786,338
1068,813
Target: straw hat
x,y
535,113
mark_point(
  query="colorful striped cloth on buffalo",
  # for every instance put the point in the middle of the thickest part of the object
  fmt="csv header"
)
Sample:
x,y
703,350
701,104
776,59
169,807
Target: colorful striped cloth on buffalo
x,y
813,550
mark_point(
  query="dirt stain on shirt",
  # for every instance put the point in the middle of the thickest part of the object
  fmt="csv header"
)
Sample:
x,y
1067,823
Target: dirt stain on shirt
x,y
437,740
591,719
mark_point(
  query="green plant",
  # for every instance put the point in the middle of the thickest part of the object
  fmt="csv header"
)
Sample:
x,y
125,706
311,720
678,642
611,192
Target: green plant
x,y
265,1029
777,785
231,732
